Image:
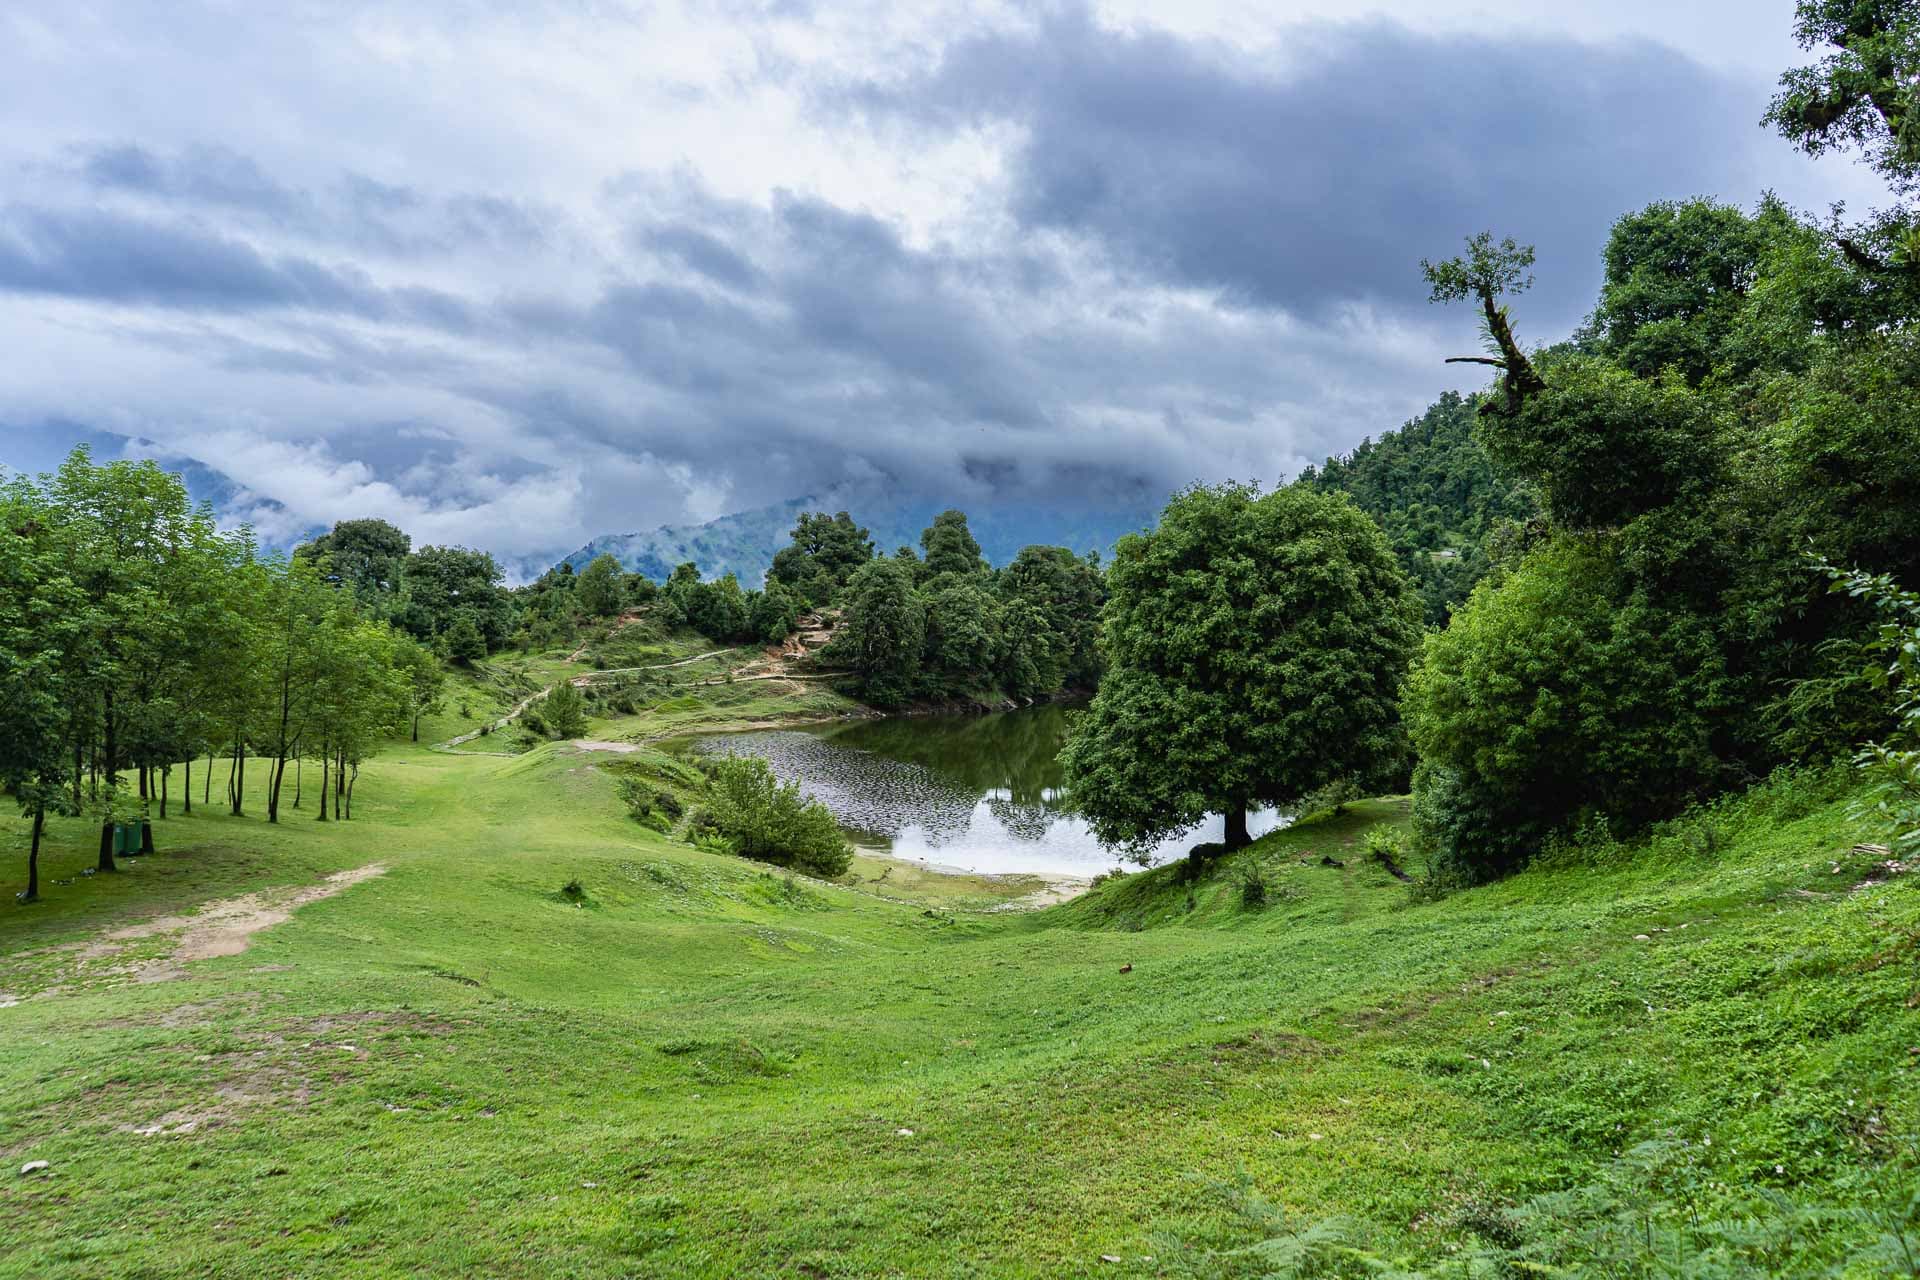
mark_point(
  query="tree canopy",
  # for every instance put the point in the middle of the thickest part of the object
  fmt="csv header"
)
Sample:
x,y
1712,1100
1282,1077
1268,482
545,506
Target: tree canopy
x,y
1256,649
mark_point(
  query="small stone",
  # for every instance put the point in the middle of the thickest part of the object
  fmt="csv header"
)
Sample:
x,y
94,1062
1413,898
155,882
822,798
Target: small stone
x,y
1315,1137
34,1166
1641,937
1109,1257
903,1133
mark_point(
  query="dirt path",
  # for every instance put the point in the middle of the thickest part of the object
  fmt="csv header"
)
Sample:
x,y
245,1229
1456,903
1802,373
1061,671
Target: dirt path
x,y
579,681
219,928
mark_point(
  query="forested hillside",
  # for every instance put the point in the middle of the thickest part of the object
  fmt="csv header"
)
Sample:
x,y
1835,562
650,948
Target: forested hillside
x,y
1433,489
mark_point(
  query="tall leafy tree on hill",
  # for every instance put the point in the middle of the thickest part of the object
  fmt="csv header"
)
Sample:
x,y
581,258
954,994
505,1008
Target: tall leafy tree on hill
x,y
1256,649
39,609
824,554
368,557
881,636
600,586
948,547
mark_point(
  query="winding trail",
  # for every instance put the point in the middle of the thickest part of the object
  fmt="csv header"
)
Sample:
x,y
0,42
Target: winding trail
x,y
579,682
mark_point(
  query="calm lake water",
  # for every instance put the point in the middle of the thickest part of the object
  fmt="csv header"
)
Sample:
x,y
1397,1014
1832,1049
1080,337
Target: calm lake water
x,y
977,793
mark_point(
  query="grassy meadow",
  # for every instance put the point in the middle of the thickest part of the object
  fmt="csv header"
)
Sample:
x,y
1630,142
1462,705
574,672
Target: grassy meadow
x,y
690,1065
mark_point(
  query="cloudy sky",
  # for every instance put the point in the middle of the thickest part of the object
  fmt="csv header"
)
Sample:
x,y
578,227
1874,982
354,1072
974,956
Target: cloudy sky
x,y
516,274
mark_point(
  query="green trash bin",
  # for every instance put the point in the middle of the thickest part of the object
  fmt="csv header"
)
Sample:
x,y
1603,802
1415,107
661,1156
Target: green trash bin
x,y
126,839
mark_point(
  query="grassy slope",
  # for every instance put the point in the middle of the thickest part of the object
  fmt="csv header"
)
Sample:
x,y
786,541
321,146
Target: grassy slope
x,y
704,1071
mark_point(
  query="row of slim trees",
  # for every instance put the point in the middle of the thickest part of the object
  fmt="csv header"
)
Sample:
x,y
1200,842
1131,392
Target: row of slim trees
x,y
137,638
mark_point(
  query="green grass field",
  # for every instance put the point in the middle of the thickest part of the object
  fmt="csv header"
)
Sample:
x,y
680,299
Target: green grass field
x,y
697,1067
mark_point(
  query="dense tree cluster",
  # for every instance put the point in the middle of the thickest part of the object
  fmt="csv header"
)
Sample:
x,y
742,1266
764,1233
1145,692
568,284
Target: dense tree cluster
x,y
945,624
136,637
449,597
1744,393
1431,486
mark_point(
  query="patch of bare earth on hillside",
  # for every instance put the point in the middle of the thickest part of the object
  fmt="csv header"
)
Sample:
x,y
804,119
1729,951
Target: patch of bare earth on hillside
x,y
289,1064
221,928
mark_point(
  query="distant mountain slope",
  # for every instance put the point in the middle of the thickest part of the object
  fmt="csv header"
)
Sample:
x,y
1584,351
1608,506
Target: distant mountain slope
x,y
743,543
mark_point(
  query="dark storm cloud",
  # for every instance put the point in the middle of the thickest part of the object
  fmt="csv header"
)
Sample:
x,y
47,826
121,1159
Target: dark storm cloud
x,y
1186,261
106,256
704,253
353,211
1320,170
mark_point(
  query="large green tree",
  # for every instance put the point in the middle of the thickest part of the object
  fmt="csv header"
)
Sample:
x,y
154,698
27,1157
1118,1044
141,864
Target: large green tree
x,y
824,553
1256,647
948,547
600,588
882,633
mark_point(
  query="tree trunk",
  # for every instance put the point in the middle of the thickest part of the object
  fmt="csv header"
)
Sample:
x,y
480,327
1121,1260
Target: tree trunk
x,y
351,779
109,765
79,768
106,862
33,855
140,780
206,788
240,783
416,726
166,771
146,836
1237,837
186,796
299,762
326,761
275,776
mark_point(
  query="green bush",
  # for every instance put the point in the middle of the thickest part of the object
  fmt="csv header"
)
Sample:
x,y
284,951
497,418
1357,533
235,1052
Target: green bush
x,y
566,711
1559,692
766,819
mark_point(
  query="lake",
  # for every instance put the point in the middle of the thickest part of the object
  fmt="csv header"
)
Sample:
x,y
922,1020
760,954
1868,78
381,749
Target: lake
x,y
975,793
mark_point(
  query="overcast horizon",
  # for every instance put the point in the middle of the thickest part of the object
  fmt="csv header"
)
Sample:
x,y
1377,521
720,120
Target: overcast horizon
x,y
516,276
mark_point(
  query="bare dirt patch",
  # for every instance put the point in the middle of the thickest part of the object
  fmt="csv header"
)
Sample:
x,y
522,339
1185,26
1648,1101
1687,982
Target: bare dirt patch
x,y
220,928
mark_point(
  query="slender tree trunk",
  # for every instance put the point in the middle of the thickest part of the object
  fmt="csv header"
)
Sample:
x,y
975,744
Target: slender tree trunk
x,y
79,768
233,762
186,794
299,762
416,726
240,781
146,836
111,764
206,787
106,862
1237,837
166,771
33,855
140,781
339,781
280,748
326,762
351,779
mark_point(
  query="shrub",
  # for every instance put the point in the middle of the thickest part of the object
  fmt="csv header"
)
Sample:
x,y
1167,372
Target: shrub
x,y
1560,691
1334,798
1253,889
653,807
1893,767
566,711
766,819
